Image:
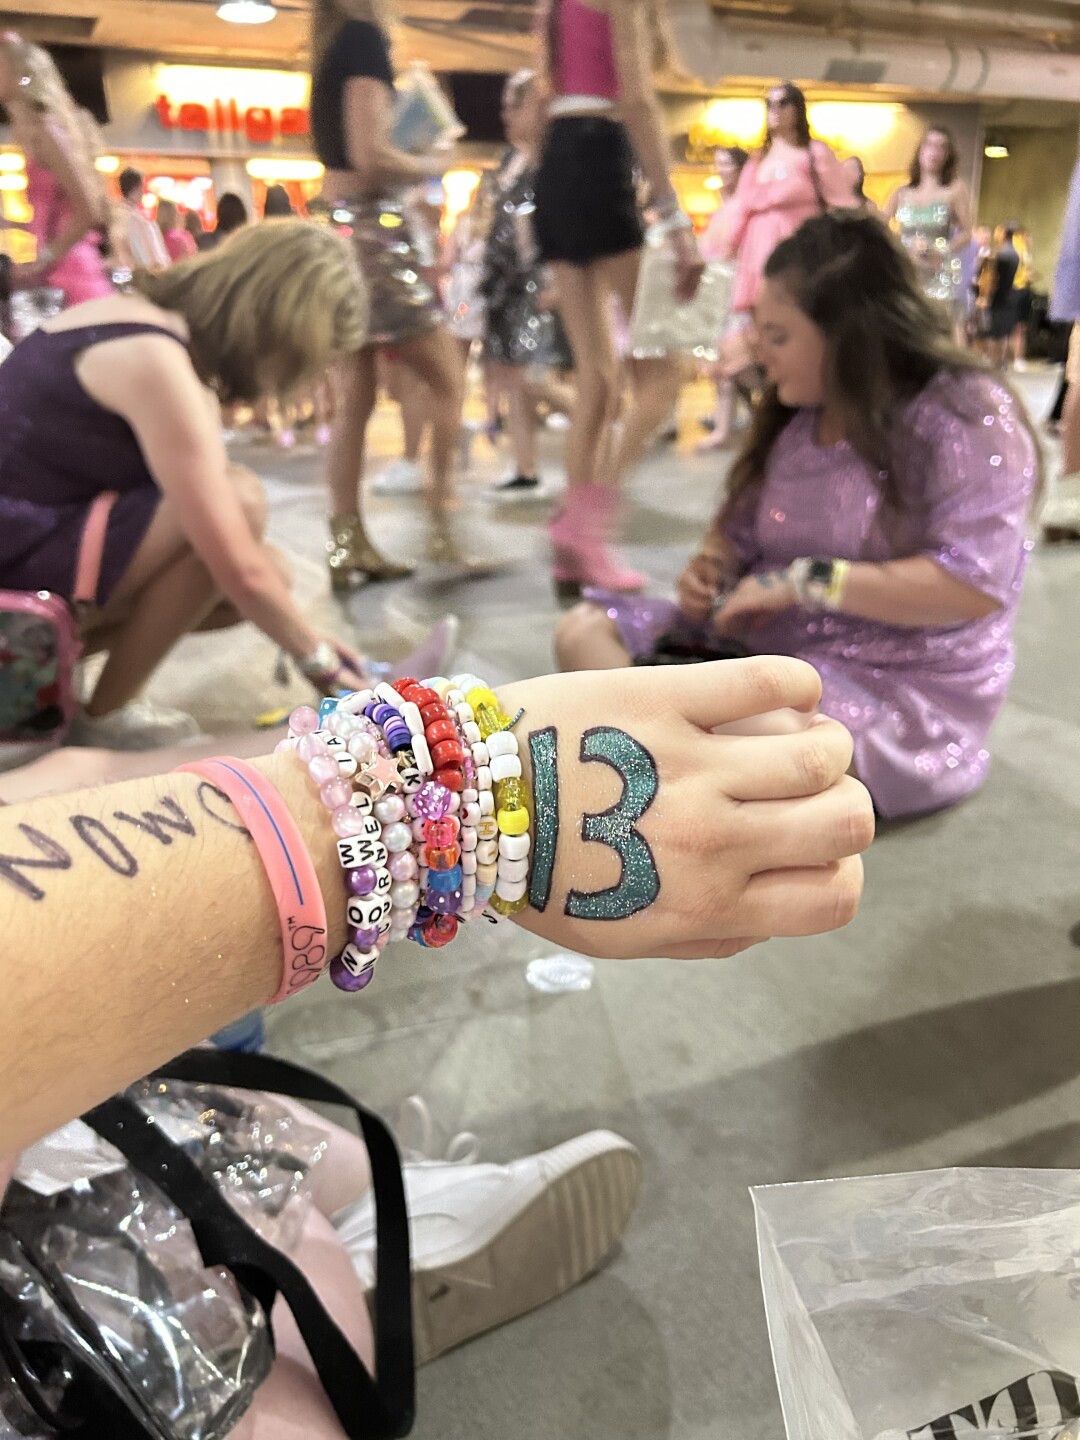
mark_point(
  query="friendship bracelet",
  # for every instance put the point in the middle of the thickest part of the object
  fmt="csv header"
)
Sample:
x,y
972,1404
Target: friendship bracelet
x,y
287,862
819,584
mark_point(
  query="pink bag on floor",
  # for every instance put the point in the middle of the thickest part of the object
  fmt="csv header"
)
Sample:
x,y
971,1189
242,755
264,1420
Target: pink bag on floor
x,y
39,644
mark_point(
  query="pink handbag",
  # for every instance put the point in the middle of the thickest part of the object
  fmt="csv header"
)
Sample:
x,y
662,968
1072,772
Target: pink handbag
x,y
39,644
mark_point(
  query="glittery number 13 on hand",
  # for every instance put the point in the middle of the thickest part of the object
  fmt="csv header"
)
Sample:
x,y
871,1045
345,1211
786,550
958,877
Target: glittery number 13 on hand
x,y
639,882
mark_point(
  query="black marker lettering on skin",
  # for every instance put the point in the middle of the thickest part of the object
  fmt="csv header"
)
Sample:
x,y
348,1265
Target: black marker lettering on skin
x,y
153,823
55,858
109,849
206,788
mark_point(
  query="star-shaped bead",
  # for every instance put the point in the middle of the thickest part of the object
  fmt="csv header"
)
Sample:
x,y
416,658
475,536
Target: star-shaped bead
x,y
378,777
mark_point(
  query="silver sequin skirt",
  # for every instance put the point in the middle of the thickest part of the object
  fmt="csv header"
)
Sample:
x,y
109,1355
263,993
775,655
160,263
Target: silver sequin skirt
x,y
403,303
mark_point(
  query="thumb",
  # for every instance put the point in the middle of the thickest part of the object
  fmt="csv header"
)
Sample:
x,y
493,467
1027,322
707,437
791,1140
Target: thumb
x,y
720,691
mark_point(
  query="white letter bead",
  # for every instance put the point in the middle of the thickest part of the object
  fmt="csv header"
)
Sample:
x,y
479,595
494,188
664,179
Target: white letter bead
x,y
509,890
423,755
471,731
467,840
389,696
502,743
410,713
505,767
468,860
480,753
514,847
488,828
513,869
356,703
363,911
357,961
486,803
454,697
483,777
346,763
487,852
372,830
470,813
361,800
360,850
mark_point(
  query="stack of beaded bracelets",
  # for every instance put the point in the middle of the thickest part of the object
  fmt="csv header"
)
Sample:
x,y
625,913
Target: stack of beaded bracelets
x,y
431,812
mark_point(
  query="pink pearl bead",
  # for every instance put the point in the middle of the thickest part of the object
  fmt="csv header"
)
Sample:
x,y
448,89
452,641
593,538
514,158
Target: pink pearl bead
x,y
282,746
323,769
389,809
403,866
347,822
363,748
304,720
308,746
335,793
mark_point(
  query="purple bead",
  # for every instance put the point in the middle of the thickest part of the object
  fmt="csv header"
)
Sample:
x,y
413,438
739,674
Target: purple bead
x,y
344,979
335,793
362,880
444,902
432,801
385,713
366,938
304,720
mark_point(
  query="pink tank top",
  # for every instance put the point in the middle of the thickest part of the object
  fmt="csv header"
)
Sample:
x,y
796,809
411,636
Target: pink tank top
x,y
584,56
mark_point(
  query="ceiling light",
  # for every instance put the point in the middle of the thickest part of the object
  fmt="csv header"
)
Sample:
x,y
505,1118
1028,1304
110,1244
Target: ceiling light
x,y
10,161
107,164
246,12
713,182
995,151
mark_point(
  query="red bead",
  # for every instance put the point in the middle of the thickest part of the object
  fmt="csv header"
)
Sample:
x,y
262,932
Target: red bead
x,y
443,858
447,752
405,683
451,778
432,714
440,930
441,730
424,696
440,833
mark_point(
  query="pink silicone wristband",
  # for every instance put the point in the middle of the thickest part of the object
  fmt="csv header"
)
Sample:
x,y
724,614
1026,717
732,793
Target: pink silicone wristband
x,y
287,863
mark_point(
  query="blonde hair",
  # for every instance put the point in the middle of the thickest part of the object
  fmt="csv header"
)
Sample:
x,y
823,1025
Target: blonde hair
x,y
168,215
328,18
268,309
42,89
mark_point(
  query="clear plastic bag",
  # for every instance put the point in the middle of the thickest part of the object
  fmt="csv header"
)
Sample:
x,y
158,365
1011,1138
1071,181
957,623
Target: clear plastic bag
x,y
935,1305
661,325
423,117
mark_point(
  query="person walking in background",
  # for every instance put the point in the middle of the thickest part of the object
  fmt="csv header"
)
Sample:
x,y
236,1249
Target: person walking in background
x,y
194,226
70,210
277,205
140,241
1023,287
352,92
232,215
601,57
997,297
933,216
855,171
791,178
733,351
178,240
1061,514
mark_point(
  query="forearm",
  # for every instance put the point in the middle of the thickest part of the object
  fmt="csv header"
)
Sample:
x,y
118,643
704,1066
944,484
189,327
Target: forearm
x,y
913,592
180,937
263,598
645,123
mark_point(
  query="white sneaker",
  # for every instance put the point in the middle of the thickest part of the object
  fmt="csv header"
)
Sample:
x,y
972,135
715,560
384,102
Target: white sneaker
x,y
402,477
138,725
491,1242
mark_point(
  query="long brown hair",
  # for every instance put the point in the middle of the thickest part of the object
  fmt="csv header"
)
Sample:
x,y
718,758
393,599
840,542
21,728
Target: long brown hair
x,y
267,309
329,17
885,342
952,156
794,97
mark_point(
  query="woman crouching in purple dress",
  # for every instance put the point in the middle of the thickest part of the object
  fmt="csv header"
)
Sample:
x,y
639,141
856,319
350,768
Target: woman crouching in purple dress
x,y
875,525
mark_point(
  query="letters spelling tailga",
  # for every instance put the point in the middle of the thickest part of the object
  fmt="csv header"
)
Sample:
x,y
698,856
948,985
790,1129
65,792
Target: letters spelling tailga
x,y
258,123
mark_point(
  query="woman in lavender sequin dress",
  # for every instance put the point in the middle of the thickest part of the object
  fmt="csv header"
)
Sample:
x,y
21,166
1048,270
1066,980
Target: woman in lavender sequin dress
x,y
878,445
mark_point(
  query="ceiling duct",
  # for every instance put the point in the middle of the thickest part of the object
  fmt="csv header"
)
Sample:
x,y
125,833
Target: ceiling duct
x,y
716,49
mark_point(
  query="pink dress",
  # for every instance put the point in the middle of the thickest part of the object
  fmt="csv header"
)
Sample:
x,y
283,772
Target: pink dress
x,y
180,244
919,700
761,213
81,273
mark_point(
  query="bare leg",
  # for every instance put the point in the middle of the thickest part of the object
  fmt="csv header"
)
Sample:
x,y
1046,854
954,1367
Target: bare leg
x,y
724,415
165,593
1070,432
655,390
354,386
521,417
434,359
583,304
586,639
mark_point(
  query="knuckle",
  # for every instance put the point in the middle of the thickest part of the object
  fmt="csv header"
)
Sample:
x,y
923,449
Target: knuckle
x,y
817,767
768,684
846,894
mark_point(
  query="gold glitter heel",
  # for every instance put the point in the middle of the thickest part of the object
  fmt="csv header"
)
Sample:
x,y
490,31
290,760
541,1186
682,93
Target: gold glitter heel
x,y
353,560
444,551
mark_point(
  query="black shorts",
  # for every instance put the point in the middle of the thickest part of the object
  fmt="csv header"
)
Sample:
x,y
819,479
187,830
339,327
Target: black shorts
x,y
586,204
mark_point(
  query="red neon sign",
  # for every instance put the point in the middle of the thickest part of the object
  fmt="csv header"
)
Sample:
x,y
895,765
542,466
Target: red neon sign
x,y
258,123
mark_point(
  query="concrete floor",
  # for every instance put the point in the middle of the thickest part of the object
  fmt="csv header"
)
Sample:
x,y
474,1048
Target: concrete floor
x,y
938,1029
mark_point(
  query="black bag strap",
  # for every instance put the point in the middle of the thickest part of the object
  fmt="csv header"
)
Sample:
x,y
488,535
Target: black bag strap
x,y
368,1409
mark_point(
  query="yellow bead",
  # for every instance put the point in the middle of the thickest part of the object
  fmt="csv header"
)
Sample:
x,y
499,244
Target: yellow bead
x,y
487,874
513,820
482,696
512,796
440,685
508,907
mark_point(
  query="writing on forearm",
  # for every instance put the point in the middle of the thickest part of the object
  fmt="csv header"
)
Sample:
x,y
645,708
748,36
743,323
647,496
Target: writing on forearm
x,y
638,886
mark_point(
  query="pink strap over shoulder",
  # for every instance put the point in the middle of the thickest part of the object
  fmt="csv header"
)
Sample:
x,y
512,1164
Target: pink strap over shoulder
x,y
92,548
